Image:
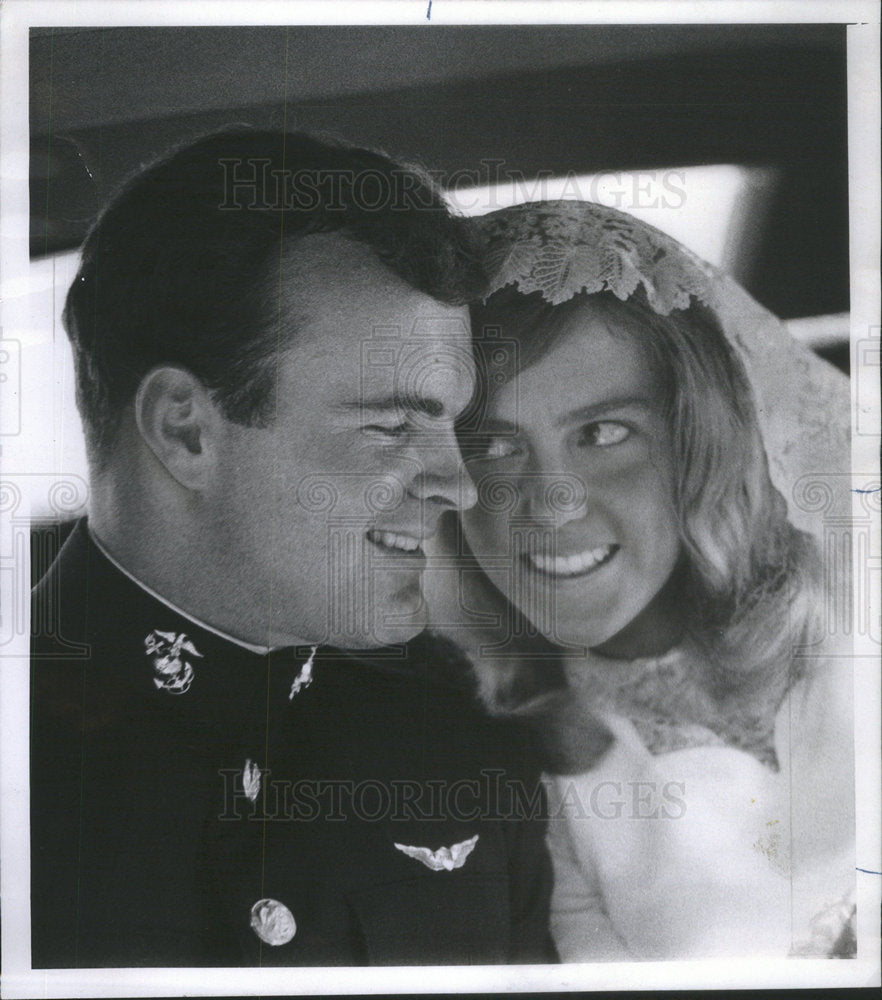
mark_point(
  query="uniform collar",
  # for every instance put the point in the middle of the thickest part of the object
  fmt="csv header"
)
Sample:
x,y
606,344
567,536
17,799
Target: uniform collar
x,y
250,647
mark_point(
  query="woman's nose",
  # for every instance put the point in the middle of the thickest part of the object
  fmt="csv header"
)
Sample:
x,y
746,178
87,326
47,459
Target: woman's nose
x,y
555,497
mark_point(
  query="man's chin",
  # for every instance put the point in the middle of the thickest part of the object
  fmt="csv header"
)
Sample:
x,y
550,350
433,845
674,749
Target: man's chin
x,y
403,615
382,635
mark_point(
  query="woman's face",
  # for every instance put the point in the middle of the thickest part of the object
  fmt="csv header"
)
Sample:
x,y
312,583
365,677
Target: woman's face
x,y
575,521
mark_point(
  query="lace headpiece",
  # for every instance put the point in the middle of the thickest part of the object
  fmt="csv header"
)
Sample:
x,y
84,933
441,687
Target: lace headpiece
x,y
561,248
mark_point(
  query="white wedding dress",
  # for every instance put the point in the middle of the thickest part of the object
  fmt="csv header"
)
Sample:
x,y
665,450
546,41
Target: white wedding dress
x,y
702,850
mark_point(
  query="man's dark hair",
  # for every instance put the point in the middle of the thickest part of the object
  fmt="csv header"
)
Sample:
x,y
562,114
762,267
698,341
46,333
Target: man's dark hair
x,y
176,270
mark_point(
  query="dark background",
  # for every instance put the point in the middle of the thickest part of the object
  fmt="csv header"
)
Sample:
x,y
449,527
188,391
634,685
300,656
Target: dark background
x,y
549,98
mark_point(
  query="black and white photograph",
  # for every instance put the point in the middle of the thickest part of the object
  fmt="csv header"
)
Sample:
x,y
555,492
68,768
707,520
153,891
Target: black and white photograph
x,y
440,493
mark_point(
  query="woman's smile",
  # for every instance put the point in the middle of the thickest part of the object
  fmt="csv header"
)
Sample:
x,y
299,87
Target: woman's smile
x,y
570,567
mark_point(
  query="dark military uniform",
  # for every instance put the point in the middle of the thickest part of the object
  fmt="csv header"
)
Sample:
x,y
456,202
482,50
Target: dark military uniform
x,y
195,803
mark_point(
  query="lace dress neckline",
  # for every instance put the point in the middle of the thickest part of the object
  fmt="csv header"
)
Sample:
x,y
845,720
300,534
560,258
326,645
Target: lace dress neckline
x,y
666,701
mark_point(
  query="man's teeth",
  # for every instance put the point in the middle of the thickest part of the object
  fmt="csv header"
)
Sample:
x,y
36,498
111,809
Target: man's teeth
x,y
571,565
391,540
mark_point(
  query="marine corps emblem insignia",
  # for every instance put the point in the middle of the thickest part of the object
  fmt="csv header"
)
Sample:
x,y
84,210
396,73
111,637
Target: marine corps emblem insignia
x,y
173,672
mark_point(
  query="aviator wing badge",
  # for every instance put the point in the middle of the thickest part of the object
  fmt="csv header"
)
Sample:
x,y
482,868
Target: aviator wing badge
x,y
445,858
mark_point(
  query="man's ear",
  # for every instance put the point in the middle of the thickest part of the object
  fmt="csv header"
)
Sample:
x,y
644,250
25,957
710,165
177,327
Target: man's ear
x,y
179,422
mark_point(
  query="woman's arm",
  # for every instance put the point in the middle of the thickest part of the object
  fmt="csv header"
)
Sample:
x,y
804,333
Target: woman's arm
x,y
580,924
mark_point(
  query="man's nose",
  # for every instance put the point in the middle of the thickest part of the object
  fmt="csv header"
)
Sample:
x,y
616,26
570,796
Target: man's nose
x,y
443,477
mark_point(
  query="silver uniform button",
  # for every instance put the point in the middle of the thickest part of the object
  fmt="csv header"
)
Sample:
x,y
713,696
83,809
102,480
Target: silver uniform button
x,y
273,922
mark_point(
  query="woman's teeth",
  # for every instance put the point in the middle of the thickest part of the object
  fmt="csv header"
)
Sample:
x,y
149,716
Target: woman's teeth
x,y
571,565
391,540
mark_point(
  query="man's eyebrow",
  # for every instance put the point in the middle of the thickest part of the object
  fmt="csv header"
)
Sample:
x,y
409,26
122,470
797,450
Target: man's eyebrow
x,y
396,404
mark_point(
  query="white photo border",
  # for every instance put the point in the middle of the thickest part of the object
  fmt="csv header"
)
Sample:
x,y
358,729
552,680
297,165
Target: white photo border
x,y
864,178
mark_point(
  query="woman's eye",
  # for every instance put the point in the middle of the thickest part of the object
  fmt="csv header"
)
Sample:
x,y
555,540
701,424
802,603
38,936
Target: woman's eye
x,y
603,433
495,448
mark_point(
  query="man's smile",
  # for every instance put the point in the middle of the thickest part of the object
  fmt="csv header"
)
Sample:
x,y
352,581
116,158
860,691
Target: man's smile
x,y
397,542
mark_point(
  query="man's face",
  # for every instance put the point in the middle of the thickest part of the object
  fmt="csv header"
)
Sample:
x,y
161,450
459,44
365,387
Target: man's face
x,y
323,514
